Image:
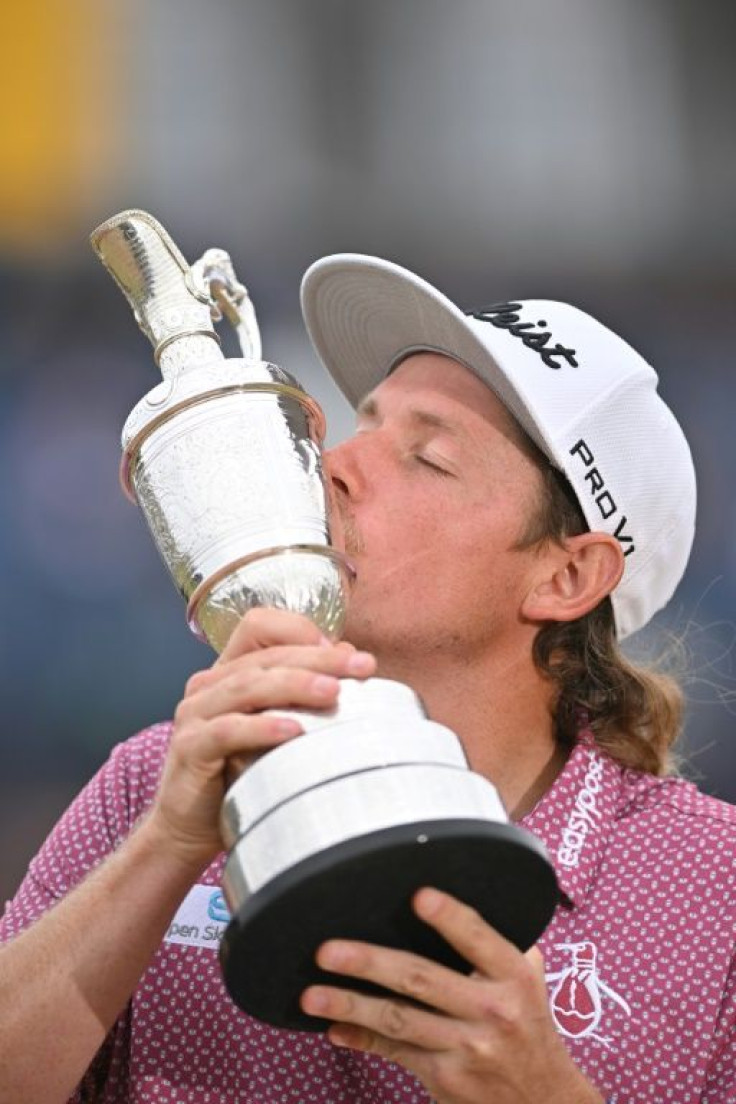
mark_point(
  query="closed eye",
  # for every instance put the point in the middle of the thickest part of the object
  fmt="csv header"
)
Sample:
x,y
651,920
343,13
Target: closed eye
x,y
425,462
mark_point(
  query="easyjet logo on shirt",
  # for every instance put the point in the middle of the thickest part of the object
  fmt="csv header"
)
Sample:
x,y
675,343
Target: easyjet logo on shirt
x,y
583,816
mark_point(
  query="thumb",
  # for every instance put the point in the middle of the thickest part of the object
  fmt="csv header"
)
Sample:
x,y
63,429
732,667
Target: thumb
x,y
535,958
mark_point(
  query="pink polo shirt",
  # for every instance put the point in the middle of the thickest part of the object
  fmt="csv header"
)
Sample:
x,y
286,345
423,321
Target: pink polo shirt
x,y
639,954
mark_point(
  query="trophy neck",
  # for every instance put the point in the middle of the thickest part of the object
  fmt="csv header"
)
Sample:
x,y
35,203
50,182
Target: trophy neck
x,y
173,313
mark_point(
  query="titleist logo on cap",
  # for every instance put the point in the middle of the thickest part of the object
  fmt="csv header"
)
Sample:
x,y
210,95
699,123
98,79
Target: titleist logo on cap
x,y
505,316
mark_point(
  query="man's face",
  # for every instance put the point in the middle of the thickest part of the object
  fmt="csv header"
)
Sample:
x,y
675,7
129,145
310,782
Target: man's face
x,y
432,495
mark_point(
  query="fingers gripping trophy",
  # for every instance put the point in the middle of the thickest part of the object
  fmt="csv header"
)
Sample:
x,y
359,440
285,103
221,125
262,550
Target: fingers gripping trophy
x,y
329,835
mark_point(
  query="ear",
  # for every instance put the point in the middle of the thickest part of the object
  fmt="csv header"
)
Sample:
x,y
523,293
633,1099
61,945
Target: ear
x,y
579,574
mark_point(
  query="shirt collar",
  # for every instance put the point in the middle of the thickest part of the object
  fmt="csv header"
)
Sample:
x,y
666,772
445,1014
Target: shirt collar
x,y
575,817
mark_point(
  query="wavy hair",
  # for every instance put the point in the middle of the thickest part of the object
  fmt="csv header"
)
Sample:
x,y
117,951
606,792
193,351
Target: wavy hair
x,y
635,712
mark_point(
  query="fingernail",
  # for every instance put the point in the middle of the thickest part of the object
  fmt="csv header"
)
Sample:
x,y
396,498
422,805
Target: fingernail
x,y
332,955
360,663
325,686
286,727
428,902
315,1001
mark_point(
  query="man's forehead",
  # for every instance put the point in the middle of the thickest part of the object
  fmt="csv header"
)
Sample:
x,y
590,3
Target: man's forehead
x,y
437,390
371,408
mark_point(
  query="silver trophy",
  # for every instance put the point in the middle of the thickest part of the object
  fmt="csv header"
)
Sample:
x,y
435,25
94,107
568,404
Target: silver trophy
x,y
330,834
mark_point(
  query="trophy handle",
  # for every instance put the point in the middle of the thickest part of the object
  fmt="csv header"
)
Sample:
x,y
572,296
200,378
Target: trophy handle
x,y
214,276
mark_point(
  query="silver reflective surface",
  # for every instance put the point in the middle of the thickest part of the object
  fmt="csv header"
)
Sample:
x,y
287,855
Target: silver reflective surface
x,y
352,806
223,456
225,464
308,582
372,762
174,314
376,724
213,274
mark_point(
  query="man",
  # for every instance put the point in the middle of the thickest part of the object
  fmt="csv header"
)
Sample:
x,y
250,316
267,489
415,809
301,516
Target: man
x,y
515,499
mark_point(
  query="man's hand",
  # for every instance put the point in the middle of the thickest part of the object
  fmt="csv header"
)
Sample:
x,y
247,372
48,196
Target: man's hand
x,y
486,1037
274,660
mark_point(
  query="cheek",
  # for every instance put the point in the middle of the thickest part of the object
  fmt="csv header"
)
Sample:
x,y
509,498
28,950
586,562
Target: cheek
x,y
446,534
481,555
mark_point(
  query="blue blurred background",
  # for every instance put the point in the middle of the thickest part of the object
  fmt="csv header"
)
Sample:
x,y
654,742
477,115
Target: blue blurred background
x,y
579,149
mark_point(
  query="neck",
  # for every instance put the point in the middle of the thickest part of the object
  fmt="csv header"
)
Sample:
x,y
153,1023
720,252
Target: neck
x,y
500,710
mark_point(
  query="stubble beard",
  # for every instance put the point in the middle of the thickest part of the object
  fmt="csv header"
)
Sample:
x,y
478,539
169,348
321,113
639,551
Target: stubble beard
x,y
352,540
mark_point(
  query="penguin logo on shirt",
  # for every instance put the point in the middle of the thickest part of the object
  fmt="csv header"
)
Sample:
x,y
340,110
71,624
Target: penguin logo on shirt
x,y
577,998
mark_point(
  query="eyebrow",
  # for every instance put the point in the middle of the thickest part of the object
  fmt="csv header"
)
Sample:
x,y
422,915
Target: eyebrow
x,y
368,408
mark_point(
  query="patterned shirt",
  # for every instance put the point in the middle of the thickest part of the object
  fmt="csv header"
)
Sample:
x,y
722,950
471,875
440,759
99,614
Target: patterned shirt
x,y
639,954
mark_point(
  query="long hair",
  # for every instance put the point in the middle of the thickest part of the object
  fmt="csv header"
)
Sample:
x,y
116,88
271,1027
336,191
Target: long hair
x,y
634,711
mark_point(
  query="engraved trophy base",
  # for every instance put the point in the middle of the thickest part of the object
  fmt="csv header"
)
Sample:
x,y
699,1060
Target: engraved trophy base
x,y
332,833
362,889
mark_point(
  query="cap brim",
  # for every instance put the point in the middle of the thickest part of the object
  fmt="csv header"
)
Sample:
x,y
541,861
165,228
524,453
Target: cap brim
x,y
364,315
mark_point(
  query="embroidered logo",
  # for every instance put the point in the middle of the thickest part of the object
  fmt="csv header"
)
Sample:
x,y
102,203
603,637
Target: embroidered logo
x,y
584,815
505,316
577,998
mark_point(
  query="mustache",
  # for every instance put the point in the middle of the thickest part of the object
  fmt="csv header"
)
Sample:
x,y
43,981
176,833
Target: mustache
x,y
354,544
353,541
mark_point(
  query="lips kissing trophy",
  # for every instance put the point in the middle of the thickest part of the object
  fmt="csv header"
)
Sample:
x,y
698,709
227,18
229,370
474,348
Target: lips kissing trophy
x,y
331,833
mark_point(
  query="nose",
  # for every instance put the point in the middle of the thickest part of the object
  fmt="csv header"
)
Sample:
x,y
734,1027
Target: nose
x,y
345,468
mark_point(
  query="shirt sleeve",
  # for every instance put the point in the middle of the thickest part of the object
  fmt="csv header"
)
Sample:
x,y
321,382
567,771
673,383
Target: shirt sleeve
x,y
93,826
88,831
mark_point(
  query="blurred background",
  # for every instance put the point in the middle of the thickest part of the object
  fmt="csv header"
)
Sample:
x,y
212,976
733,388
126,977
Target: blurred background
x,y
578,149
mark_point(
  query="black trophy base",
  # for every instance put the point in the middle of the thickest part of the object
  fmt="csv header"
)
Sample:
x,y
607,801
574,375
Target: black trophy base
x,y
362,889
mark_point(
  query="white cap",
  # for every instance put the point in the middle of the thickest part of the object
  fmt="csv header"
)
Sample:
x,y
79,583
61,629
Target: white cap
x,y
584,396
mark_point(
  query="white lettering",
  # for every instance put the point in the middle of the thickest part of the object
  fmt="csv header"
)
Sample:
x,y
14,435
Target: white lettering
x,y
584,816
